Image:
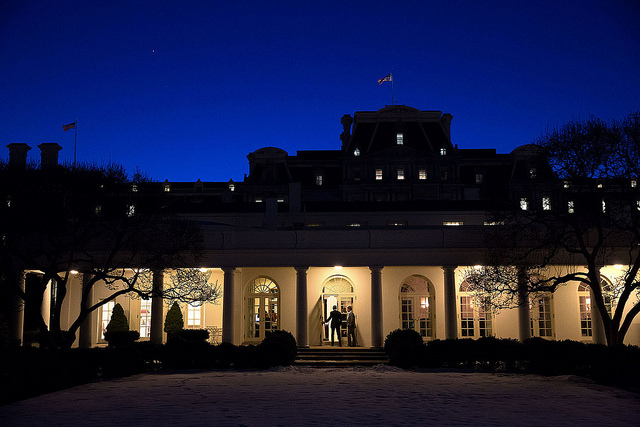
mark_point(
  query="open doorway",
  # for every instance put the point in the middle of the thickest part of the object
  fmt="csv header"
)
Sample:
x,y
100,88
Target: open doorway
x,y
336,291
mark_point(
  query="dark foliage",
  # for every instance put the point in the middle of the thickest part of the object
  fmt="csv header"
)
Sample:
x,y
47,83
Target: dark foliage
x,y
174,322
404,348
279,348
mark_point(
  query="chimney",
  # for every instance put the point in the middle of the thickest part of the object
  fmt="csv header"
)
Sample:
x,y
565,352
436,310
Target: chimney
x,y
18,154
49,154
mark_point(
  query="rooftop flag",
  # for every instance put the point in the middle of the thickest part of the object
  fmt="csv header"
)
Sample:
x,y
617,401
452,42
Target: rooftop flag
x,y
69,126
387,78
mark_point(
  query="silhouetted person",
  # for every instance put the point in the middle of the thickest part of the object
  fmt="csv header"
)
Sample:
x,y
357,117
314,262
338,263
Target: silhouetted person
x,y
351,327
335,318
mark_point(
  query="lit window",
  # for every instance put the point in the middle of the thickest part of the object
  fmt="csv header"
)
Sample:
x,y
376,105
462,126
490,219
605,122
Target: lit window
x,y
541,317
313,224
258,200
494,223
378,174
134,188
399,138
546,204
280,200
571,207
9,201
356,152
453,223
131,210
232,185
416,306
533,173
422,174
166,186
599,185
634,183
98,210
566,184
524,203
475,314
193,315
584,296
400,174
318,180
145,318
397,223
354,224
638,204
604,206
443,151
105,316
479,178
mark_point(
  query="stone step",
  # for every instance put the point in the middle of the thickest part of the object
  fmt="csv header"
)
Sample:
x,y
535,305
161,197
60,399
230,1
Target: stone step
x,y
340,356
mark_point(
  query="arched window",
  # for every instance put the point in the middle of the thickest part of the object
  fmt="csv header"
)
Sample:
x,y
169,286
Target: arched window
x,y
263,295
584,298
476,319
417,305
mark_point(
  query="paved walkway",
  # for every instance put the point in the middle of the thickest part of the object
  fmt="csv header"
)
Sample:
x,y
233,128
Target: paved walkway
x,y
380,395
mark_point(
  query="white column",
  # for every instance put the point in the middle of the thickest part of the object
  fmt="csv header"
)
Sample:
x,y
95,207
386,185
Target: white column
x,y
227,305
88,327
376,306
524,313
157,308
45,307
450,315
301,306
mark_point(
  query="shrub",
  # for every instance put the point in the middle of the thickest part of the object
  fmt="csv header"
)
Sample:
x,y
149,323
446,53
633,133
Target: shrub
x,y
174,321
404,348
193,335
118,322
278,348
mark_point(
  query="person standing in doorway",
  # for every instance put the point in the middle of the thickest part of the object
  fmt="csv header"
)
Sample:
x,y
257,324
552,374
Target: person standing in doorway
x,y
351,327
335,318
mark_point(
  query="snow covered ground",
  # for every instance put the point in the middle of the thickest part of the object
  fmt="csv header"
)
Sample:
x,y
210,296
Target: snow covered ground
x,y
290,396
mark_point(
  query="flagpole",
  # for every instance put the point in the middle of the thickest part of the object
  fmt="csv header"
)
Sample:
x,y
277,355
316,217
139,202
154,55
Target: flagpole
x,y
392,98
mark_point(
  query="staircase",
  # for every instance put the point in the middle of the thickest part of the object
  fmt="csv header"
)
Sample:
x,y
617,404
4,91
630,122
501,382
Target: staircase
x,y
340,356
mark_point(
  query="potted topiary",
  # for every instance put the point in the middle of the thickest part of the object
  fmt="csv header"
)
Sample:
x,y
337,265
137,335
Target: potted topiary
x,y
118,333
174,321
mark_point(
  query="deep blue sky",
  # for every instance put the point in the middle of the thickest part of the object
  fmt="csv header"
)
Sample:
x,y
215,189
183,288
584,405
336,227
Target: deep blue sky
x,y
186,89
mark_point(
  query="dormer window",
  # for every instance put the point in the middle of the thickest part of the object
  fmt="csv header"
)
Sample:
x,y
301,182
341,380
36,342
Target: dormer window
x,y
166,186
422,174
134,187
356,152
443,151
400,174
400,138
231,185
378,174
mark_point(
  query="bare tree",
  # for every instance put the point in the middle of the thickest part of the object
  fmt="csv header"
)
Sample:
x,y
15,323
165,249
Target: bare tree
x,y
589,217
93,219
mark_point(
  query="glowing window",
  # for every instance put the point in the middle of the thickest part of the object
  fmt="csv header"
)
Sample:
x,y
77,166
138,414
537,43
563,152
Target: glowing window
x,y
479,178
541,316
422,174
105,316
443,151
134,188
145,318
524,203
604,206
131,210
634,183
546,203
356,152
566,184
475,314
378,174
571,207
319,180
533,173
400,174
416,302
399,138
453,223
584,298
194,314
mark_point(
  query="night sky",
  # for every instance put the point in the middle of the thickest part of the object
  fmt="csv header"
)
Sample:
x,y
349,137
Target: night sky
x,y
184,90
